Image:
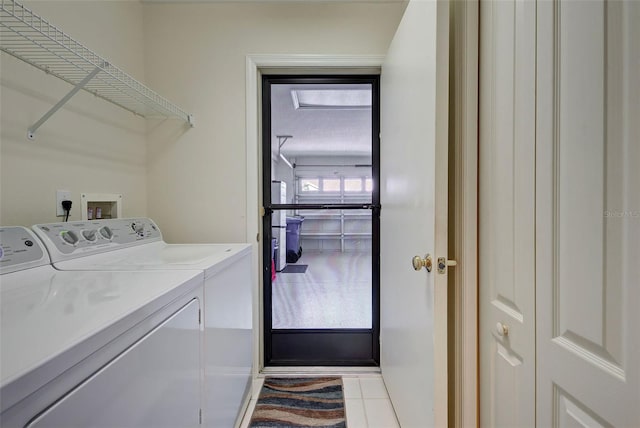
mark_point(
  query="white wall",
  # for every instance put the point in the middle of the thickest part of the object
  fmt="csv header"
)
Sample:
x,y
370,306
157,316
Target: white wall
x,y
89,145
192,181
195,56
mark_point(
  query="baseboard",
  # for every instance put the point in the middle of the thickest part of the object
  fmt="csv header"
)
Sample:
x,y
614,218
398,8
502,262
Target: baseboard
x,y
318,371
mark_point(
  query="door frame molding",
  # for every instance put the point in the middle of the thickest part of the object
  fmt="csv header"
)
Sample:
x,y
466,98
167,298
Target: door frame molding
x,y
347,346
255,66
464,74
464,354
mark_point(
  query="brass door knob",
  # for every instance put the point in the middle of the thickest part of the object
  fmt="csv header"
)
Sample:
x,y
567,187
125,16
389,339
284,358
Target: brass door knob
x,y
502,329
419,263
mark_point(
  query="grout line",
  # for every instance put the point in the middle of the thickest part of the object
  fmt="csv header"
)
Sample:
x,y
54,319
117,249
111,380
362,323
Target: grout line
x,y
361,392
364,408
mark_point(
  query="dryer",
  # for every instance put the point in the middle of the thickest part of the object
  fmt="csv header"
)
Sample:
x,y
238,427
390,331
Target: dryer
x,y
137,244
95,349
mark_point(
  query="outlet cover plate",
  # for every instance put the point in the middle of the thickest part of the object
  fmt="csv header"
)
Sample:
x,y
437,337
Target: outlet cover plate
x,y
61,195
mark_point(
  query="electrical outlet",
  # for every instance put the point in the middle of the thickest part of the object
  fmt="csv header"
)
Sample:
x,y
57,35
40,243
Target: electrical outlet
x,y
61,195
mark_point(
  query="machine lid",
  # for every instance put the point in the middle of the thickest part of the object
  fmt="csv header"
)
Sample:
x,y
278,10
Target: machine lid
x,y
47,315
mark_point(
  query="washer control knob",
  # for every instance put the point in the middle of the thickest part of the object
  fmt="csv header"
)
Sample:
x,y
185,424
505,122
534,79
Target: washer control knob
x,y
90,235
106,232
69,237
137,227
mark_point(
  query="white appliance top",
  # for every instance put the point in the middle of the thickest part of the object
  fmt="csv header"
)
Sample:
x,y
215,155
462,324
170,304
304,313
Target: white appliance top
x,y
47,317
210,258
20,249
143,250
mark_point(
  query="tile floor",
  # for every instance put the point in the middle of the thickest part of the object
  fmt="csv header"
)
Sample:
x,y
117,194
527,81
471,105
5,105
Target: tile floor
x,y
367,403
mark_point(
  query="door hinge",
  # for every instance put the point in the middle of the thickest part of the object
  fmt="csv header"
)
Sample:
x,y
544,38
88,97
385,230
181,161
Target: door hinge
x,y
199,316
200,417
262,211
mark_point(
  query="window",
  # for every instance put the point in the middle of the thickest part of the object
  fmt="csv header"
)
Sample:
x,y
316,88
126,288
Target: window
x,y
368,185
331,185
309,184
353,185
335,185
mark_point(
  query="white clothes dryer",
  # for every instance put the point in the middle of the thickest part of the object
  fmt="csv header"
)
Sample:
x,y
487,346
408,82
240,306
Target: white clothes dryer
x,y
95,349
137,244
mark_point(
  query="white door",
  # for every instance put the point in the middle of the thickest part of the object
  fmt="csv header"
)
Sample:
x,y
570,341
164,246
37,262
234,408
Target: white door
x,y
414,120
507,209
588,214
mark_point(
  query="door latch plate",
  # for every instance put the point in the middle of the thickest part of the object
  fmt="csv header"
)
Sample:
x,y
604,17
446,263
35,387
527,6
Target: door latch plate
x,y
443,263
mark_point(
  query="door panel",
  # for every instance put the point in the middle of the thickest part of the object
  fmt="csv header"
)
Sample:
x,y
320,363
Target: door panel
x,y
588,214
414,107
507,259
326,313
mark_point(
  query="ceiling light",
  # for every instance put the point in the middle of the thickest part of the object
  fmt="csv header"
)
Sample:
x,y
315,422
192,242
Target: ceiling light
x,y
340,99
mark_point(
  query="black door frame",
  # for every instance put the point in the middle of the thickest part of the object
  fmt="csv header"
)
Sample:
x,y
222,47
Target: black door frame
x,y
320,347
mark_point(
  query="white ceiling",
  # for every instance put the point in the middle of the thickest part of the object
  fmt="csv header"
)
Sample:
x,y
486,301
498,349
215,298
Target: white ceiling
x,y
319,132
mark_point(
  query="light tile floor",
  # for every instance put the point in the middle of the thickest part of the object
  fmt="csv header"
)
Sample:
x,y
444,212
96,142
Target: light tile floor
x,y
367,403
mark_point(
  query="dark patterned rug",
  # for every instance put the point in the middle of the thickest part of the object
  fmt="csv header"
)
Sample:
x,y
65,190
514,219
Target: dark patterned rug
x,y
300,402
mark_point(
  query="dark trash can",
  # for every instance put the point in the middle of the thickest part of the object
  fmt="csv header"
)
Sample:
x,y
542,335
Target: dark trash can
x,y
294,250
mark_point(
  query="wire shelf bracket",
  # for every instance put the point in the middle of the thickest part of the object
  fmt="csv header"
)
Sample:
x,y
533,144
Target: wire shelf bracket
x,y
32,39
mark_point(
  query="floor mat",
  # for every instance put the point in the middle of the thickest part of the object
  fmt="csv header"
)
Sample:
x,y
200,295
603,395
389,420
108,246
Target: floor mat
x,y
300,402
295,269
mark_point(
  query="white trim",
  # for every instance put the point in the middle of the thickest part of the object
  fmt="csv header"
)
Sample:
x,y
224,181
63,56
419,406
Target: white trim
x,y
441,306
321,61
254,64
464,76
320,371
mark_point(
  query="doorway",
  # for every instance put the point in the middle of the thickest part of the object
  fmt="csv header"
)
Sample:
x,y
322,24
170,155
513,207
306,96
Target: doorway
x,y
320,173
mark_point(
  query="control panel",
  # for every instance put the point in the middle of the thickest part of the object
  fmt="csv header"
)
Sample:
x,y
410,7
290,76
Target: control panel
x,y
20,249
75,239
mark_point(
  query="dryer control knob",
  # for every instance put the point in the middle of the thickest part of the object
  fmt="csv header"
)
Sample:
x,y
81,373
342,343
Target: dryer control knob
x,y
106,233
90,235
69,237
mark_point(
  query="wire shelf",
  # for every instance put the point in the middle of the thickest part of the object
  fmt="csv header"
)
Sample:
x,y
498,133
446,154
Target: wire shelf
x,y
34,40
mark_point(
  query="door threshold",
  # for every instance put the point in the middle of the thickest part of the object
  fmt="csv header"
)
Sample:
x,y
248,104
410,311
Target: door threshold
x,y
319,370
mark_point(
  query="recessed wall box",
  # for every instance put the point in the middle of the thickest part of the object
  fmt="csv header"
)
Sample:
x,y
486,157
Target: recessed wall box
x,y
109,205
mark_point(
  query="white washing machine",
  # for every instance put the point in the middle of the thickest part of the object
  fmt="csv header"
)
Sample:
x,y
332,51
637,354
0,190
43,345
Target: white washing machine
x,y
95,349
137,244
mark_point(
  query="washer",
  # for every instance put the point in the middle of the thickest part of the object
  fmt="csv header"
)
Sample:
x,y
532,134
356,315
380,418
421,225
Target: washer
x,y
137,244
95,349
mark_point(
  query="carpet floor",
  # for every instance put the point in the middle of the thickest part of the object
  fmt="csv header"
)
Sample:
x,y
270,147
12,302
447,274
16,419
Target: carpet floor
x,y
300,402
